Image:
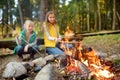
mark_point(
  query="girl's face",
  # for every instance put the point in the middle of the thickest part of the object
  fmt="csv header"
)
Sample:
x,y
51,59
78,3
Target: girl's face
x,y
29,27
51,18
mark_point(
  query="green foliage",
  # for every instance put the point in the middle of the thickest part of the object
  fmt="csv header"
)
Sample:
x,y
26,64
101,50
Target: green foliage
x,y
74,14
117,61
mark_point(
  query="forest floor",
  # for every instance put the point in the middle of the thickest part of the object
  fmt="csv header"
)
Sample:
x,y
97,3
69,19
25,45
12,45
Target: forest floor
x,y
109,44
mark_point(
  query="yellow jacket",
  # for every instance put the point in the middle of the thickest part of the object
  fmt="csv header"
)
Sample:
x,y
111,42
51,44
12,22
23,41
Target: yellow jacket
x,y
53,31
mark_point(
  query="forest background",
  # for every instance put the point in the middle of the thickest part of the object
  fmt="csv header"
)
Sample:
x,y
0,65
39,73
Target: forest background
x,y
82,16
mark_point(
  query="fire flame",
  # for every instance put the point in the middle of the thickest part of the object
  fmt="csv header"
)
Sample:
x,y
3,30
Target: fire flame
x,y
102,72
85,55
68,33
72,66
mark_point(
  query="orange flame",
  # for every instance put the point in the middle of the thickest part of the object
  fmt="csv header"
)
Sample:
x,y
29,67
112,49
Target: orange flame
x,y
89,58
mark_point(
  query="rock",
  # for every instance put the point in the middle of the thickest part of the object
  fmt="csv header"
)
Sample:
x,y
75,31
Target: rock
x,y
49,58
114,56
100,54
5,51
40,61
37,68
60,56
14,69
45,73
29,78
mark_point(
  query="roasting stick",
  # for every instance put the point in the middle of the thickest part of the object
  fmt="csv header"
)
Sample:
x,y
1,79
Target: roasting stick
x,y
69,42
21,37
69,36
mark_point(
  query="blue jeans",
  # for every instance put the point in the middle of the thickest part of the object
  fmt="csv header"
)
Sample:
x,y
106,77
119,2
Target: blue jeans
x,y
65,44
54,50
68,45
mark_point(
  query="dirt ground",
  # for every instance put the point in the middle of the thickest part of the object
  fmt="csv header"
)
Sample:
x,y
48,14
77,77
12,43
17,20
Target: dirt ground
x,y
98,46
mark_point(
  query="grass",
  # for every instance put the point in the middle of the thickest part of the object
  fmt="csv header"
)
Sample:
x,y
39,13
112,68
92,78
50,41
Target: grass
x,y
105,38
109,43
109,39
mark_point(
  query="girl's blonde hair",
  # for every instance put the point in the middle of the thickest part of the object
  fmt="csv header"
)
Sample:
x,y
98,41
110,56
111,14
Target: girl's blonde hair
x,y
28,22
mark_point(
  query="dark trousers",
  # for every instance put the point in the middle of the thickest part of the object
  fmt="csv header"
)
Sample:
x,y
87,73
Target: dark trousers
x,y
31,51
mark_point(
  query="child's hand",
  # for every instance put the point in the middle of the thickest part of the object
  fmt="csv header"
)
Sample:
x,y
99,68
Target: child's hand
x,y
14,33
26,48
57,39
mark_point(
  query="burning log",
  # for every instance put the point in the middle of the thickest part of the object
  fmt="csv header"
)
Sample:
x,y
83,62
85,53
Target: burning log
x,y
84,69
80,67
74,68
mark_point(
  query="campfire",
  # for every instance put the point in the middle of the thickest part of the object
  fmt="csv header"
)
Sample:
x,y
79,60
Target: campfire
x,y
82,62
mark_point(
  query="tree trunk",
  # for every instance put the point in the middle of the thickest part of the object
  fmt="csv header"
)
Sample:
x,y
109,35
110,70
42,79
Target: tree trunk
x,y
118,16
20,12
10,16
95,14
43,10
6,19
99,16
3,16
114,15
88,15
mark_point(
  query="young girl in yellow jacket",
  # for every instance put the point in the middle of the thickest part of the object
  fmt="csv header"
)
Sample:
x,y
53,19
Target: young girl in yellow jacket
x,y
51,34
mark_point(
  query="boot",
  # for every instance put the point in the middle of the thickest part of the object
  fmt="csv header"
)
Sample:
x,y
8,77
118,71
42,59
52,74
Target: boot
x,y
32,56
20,56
